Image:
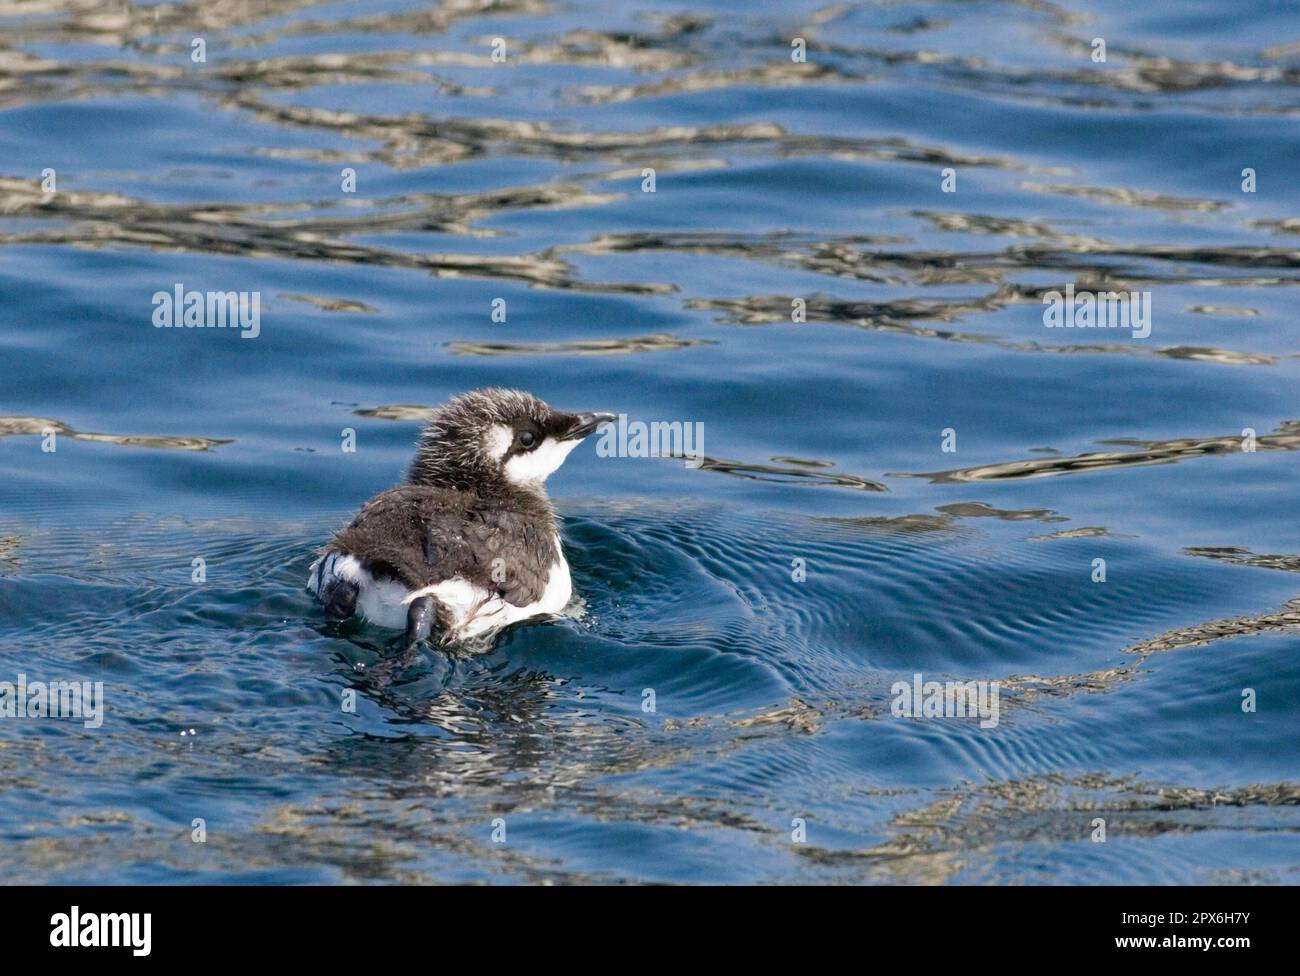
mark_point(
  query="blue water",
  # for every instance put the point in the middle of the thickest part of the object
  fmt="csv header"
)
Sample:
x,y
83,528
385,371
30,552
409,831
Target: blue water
x,y
772,753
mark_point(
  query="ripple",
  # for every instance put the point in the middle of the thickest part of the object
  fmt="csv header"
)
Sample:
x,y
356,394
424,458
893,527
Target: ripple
x,y
1127,198
659,342
959,835
330,304
1244,557
1285,437
783,474
15,426
1209,632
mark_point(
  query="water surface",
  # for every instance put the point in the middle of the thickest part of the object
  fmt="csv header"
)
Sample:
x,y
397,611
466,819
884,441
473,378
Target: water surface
x,y
522,180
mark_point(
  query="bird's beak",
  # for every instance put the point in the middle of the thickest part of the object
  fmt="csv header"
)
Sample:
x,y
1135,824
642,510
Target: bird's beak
x,y
584,424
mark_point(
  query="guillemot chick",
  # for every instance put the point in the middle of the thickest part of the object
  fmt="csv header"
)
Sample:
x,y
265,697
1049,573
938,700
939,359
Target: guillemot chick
x,y
469,543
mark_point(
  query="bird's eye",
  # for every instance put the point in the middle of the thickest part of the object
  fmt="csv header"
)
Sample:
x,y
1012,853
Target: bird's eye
x,y
526,438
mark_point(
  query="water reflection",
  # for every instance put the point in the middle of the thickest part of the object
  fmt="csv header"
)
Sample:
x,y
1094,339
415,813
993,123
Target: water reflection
x,y
1285,437
778,181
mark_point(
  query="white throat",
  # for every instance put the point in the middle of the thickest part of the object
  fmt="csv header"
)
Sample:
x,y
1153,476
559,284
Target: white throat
x,y
531,470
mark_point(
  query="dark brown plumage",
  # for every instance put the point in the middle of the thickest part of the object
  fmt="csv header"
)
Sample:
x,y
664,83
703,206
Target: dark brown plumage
x,y
423,534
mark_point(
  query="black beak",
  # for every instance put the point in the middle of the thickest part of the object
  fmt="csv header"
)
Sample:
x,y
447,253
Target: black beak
x,y
584,424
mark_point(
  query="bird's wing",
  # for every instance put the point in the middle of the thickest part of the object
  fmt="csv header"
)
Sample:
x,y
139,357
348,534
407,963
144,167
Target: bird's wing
x,y
424,537
522,553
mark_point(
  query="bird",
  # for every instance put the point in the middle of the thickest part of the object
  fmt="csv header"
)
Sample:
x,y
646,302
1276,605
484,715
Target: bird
x,y
469,542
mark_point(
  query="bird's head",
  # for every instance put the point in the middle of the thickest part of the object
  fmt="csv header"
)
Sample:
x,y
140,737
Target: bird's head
x,y
495,438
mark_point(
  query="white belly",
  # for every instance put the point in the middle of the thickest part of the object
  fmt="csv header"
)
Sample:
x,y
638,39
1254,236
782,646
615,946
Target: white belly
x,y
473,610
